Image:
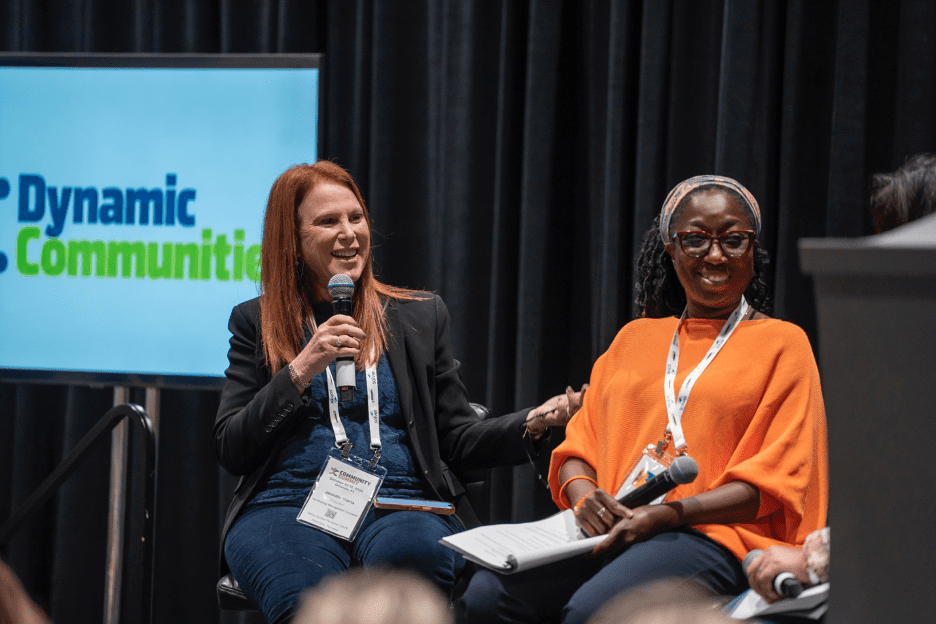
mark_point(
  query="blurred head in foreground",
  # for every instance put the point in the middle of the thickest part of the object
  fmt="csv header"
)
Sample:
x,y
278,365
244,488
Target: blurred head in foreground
x,y
903,195
374,596
663,602
16,607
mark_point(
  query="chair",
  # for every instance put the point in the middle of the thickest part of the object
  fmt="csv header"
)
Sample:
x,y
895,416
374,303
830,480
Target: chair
x,y
231,597
477,485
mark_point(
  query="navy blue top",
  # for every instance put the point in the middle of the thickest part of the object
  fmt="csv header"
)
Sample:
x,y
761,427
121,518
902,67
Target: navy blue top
x,y
302,457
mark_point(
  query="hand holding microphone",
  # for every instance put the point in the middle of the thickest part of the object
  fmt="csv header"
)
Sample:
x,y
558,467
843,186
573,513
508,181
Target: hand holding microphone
x,y
336,340
778,572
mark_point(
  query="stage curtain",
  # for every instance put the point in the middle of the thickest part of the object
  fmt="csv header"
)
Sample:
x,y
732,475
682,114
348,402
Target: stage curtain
x,y
512,154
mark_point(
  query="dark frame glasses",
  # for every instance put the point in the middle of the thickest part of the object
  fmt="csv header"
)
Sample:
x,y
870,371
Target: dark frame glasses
x,y
733,243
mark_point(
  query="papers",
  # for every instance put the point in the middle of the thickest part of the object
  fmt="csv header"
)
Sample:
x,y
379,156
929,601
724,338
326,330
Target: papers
x,y
509,548
811,604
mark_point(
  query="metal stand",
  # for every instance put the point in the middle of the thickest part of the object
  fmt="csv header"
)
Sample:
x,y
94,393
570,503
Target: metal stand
x,y
118,499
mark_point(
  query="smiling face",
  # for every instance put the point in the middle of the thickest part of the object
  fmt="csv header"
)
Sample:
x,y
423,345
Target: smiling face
x,y
714,283
334,235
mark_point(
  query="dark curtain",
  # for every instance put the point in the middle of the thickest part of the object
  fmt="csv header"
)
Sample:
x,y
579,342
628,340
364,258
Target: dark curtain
x,y
512,154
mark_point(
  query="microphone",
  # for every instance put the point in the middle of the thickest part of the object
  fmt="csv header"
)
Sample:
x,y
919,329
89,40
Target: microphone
x,y
785,583
341,288
683,470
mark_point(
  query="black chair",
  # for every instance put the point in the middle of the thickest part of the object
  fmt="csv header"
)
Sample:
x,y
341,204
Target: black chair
x,y
231,597
478,489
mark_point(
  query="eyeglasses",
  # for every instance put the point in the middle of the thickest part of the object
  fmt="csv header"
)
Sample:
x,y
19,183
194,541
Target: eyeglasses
x,y
698,243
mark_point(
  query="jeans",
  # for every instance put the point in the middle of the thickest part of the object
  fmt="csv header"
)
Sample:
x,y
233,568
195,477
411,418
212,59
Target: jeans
x,y
274,557
572,590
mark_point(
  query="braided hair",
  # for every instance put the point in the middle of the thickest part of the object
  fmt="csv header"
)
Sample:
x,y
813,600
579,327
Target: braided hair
x,y
659,293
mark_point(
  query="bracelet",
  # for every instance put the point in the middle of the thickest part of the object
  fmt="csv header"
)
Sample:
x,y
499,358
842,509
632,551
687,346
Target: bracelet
x,y
294,375
573,478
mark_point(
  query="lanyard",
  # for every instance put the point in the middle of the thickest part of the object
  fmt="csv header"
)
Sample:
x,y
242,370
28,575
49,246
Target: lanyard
x,y
674,407
373,414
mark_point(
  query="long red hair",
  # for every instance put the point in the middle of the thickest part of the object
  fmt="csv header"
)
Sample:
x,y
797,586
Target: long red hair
x,y
286,290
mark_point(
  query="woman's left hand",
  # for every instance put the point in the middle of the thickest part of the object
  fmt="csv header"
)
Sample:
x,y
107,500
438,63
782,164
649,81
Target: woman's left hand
x,y
556,412
644,522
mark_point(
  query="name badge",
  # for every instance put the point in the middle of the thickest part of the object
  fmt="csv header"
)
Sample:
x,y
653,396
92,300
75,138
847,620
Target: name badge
x,y
342,495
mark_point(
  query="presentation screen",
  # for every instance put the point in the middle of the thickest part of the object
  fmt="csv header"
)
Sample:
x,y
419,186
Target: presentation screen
x,y
132,192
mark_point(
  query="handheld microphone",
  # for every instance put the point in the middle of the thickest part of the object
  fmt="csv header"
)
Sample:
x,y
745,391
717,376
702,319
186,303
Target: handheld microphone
x,y
785,583
341,289
683,470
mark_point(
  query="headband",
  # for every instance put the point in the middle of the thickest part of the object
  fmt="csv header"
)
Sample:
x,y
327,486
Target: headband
x,y
687,186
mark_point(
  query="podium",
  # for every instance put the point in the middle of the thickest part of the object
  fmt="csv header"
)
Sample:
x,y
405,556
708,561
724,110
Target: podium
x,y
876,310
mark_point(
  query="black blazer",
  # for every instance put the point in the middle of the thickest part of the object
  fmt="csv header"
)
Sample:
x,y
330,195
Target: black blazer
x,y
258,411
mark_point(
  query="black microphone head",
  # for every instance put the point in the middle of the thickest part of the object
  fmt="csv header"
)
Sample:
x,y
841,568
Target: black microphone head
x,y
787,585
340,285
684,470
748,558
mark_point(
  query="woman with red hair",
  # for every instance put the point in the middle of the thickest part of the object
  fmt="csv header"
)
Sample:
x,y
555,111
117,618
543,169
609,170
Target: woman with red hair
x,y
280,418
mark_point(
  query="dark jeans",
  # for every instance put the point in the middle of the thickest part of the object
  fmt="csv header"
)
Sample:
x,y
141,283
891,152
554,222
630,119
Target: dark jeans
x,y
572,590
274,557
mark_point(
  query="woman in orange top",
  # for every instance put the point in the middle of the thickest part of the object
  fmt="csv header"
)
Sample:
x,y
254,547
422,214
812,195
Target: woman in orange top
x,y
723,383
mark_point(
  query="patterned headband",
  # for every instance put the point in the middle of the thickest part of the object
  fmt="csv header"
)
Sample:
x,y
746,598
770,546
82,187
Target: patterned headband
x,y
687,186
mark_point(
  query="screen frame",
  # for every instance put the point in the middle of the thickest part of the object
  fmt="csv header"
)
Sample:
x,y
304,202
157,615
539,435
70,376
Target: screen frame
x,y
154,60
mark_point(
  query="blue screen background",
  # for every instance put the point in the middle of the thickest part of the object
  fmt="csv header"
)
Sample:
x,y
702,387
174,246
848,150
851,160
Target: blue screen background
x,y
226,133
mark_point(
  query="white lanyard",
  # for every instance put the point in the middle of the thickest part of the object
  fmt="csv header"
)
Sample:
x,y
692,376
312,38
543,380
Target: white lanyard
x,y
674,408
373,414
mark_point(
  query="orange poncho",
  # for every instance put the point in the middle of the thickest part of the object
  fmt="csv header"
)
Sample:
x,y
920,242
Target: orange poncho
x,y
754,415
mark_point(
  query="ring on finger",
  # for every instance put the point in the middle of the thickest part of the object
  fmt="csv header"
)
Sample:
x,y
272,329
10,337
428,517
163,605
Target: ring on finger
x,y
602,511
338,342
